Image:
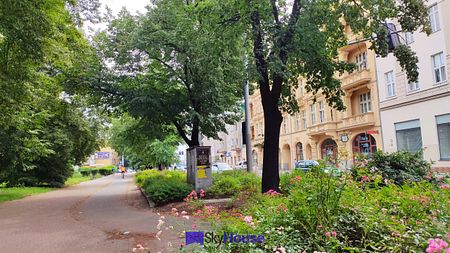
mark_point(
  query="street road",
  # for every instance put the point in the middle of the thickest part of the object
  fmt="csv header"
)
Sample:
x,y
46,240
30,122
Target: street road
x,y
93,216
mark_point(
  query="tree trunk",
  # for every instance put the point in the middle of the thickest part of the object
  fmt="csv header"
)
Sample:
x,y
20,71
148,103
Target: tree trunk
x,y
272,124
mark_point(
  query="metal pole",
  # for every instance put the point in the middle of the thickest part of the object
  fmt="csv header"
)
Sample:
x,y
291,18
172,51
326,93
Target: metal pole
x,y
248,145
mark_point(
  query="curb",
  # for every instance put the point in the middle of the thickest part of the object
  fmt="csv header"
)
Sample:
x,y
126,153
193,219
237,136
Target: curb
x,y
151,204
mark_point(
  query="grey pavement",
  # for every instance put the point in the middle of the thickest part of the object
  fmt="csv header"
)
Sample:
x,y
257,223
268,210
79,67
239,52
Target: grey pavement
x,y
104,215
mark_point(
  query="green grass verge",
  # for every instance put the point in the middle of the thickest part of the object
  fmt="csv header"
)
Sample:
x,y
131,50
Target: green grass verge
x,y
7,194
78,178
13,193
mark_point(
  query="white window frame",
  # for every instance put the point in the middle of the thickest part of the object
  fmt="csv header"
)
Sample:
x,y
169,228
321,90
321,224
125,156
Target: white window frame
x,y
297,121
390,84
321,112
433,15
305,124
438,68
442,120
413,86
361,61
312,110
285,130
365,102
409,37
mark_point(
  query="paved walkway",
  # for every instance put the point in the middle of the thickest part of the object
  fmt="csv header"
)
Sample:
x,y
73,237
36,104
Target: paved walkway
x,y
93,216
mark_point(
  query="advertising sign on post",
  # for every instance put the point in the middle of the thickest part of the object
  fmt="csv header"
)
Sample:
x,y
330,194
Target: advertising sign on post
x,y
199,167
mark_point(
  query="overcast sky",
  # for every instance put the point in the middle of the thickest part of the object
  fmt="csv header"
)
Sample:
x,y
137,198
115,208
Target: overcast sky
x,y
131,5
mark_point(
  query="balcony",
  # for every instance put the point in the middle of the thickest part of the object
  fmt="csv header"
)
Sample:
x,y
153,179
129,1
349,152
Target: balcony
x,y
361,120
351,80
322,128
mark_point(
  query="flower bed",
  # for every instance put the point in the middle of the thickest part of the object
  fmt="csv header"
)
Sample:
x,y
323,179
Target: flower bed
x,y
164,187
319,212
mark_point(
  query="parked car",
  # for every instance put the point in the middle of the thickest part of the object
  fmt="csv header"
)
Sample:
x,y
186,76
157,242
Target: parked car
x,y
219,167
306,165
242,165
180,166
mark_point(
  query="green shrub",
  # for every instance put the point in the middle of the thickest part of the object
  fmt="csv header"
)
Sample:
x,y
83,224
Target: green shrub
x,y
85,171
164,186
231,183
400,166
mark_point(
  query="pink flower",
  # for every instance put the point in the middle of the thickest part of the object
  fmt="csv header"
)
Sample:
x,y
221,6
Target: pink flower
x,y
248,219
445,186
436,245
202,193
183,213
174,210
334,233
194,226
186,217
272,192
328,234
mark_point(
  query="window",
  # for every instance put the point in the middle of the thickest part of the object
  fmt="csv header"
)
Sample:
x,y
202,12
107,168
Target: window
x,y
364,103
409,37
439,68
299,151
413,86
304,119
313,114
321,112
433,15
443,127
297,121
409,137
284,124
389,76
361,61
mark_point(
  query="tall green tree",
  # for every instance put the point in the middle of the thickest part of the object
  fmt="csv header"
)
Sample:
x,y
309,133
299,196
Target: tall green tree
x,y
42,132
173,65
143,147
301,38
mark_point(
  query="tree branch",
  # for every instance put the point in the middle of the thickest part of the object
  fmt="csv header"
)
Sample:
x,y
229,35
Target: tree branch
x,y
275,13
258,51
182,133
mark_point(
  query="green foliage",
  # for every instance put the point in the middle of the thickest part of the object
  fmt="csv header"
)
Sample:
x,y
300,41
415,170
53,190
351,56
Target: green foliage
x,y
398,166
233,183
163,186
141,144
173,66
323,213
43,132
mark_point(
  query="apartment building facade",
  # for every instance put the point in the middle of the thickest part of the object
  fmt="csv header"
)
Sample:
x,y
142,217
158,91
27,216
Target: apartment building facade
x,y
230,148
318,131
416,116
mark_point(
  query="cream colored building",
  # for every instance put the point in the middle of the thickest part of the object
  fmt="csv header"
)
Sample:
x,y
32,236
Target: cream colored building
x,y
318,131
230,148
416,116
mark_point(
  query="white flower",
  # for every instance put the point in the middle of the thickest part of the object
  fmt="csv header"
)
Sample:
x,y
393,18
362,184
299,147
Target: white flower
x,y
186,217
160,223
158,234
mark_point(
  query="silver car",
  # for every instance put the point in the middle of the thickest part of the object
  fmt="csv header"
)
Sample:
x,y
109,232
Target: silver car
x,y
219,167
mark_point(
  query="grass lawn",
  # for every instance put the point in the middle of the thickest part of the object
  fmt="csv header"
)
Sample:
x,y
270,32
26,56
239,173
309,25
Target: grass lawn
x,y
7,194
78,178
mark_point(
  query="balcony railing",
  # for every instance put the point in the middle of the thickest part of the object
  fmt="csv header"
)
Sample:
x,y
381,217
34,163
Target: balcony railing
x,y
322,128
351,80
365,119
